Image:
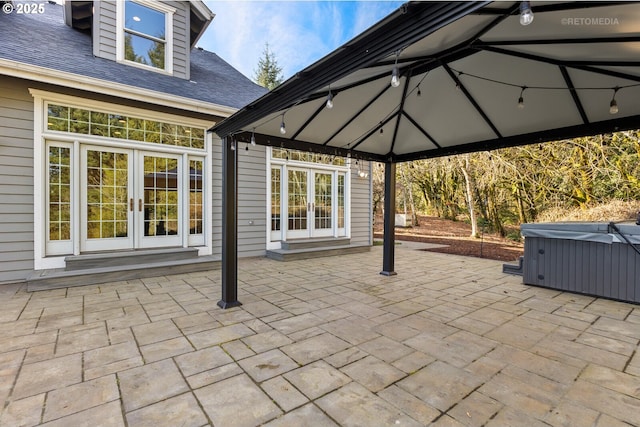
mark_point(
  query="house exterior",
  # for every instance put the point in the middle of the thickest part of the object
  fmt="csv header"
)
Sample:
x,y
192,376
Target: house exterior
x,y
106,166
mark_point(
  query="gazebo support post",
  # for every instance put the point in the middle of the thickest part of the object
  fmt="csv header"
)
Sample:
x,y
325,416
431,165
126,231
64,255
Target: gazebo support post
x,y
389,219
229,225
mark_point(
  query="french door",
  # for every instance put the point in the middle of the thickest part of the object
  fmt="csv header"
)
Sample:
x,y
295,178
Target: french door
x,y
309,203
130,199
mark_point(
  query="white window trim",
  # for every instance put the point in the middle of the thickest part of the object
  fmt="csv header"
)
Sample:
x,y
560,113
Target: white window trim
x,y
168,24
40,168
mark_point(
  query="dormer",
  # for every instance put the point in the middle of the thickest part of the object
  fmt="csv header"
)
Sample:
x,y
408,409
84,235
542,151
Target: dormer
x,y
151,35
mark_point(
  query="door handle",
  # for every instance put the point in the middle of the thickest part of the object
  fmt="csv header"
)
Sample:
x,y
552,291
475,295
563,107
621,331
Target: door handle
x,y
313,206
308,207
131,204
139,205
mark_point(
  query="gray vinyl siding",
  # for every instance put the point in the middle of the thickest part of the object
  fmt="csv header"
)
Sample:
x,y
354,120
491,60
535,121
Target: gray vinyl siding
x,y
181,46
361,208
16,180
104,34
104,30
252,201
216,194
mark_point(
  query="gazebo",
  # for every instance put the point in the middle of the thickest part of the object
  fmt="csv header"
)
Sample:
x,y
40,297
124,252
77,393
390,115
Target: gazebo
x,y
441,78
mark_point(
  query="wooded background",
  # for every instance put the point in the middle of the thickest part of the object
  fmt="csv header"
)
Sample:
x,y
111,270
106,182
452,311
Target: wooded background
x,y
542,182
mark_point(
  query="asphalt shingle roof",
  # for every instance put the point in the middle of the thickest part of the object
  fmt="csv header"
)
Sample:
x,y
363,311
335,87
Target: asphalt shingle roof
x,y
44,40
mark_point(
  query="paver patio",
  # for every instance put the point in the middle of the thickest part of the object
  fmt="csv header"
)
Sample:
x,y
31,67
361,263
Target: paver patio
x,y
449,341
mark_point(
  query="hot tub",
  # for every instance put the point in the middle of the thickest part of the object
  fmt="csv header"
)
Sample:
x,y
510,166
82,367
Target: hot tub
x,y
593,258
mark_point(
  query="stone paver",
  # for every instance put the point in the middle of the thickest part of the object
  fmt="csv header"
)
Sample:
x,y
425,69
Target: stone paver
x,y
78,397
180,410
107,415
308,415
238,402
150,383
373,373
48,375
354,405
449,341
317,379
267,365
284,393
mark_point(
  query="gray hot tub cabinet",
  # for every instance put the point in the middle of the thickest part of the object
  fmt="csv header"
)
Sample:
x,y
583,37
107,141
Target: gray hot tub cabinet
x,y
583,257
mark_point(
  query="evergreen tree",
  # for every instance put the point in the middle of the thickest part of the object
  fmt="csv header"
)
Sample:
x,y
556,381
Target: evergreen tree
x,y
268,74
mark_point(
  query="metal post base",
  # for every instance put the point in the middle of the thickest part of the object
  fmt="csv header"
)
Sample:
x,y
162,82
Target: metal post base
x,y
224,304
388,273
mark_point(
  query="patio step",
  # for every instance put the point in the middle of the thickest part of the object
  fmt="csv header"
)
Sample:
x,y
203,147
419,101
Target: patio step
x,y
110,259
60,278
306,253
324,242
516,270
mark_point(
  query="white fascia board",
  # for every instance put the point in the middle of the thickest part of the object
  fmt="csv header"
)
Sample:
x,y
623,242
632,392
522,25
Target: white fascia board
x,y
76,81
203,9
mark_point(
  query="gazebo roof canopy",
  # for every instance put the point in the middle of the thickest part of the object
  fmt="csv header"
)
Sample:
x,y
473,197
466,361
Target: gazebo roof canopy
x,y
462,67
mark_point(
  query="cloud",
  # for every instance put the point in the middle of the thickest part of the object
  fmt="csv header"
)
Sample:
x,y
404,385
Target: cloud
x,y
298,32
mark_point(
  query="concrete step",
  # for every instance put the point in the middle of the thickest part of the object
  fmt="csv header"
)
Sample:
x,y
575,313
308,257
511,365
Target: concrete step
x,y
516,270
296,254
120,258
321,242
60,278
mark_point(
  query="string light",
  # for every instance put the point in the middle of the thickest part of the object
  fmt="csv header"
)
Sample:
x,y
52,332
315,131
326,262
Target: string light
x,y
283,129
330,99
419,91
613,105
253,137
233,144
521,99
526,14
395,78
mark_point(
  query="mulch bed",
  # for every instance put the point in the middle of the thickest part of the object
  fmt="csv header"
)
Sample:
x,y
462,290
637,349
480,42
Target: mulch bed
x,y
456,236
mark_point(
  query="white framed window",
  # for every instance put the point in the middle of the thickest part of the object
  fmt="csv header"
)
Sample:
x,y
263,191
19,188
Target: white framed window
x,y
145,34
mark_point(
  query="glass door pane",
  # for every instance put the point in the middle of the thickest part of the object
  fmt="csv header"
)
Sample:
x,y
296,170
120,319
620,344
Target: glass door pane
x,y
106,199
196,202
323,222
297,204
59,200
160,213
341,202
276,203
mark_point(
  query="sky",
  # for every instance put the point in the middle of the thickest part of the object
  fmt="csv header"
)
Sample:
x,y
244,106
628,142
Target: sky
x,y
298,32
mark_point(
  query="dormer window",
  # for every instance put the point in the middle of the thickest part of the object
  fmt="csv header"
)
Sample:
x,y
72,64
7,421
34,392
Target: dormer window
x,y
145,34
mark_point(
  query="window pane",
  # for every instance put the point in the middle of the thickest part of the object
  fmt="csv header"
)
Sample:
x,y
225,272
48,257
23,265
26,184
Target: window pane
x,y
59,214
144,51
275,199
144,20
81,121
195,196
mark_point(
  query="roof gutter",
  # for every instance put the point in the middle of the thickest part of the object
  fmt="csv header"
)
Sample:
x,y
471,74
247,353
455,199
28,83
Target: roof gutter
x,y
76,81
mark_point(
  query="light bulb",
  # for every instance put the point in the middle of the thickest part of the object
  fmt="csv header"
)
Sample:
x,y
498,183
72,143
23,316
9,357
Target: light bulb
x,y
526,14
395,80
613,107
253,139
233,146
283,129
520,103
330,100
